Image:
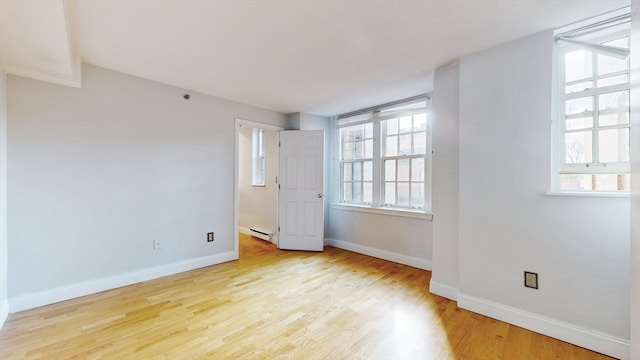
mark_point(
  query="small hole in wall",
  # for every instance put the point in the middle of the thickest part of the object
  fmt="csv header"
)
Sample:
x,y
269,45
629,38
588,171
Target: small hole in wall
x,y
186,96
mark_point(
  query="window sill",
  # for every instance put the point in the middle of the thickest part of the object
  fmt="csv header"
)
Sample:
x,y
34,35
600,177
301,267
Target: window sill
x,y
589,194
414,214
258,185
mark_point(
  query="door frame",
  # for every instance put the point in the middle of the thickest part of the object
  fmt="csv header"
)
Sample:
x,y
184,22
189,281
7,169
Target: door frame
x,y
236,165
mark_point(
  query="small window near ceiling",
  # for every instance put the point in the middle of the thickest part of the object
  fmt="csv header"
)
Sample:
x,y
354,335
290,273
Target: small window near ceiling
x,y
593,124
258,157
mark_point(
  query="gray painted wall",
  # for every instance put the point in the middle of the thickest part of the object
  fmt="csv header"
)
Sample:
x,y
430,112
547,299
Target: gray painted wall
x,y
4,304
635,183
97,173
578,245
446,128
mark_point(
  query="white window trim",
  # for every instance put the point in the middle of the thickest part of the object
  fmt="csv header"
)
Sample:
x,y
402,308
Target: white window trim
x,y
376,207
605,194
559,95
392,211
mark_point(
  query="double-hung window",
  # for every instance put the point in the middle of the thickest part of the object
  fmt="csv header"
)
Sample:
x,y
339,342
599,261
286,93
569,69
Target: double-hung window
x,y
593,128
384,155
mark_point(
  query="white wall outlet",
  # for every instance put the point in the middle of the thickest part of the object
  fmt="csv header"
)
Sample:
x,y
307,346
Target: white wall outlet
x,y
157,244
530,279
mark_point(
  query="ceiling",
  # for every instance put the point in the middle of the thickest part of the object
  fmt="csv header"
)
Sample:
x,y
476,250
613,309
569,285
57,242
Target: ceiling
x,y
321,57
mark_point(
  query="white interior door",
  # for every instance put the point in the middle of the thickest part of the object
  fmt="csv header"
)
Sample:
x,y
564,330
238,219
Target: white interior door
x,y
301,200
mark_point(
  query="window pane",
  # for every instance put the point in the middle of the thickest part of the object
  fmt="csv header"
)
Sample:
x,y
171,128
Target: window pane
x,y
610,64
617,118
614,145
403,170
347,134
390,193
368,130
357,192
404,144
390,170
347,169
613,80
578,147
392,126
357,171
346,192
579,123
403,194
614,101
614,108
367,171
347,151
621,43
601,182
579,87
420,122
391,148
368,149
417,169
417,194
579,105
358,150
367,192
405,124
420,142
578,65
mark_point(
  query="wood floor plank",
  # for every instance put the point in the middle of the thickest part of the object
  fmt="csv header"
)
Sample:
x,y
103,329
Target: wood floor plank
x,y
275,304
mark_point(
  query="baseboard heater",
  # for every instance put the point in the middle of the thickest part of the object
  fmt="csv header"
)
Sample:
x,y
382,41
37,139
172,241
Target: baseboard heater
x,y
260,234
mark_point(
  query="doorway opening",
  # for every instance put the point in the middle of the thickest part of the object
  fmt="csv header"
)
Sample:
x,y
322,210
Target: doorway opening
x,y
256,183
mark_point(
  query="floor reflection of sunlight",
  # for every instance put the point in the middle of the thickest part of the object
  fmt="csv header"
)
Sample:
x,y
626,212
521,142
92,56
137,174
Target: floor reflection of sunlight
x,y
413,339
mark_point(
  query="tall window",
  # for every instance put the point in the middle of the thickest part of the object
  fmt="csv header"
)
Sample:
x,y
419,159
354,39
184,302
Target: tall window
x,y
258,157
593,134
405,149
384,155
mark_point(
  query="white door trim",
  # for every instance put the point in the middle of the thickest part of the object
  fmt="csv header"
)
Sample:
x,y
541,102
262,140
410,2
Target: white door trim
x,y
236,162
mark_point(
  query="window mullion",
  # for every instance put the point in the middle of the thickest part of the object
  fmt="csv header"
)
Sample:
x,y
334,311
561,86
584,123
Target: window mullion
x,y
596,116
377,166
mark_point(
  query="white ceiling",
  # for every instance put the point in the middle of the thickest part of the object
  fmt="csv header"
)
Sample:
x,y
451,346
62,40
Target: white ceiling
x,y
321,57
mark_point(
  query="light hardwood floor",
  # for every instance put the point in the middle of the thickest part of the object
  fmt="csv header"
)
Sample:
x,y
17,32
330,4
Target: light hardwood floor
x,y
275,304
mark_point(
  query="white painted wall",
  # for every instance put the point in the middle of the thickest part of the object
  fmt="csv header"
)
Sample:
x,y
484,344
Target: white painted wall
x,y
97,173
578,245
258,204
635,182
445,102
4,304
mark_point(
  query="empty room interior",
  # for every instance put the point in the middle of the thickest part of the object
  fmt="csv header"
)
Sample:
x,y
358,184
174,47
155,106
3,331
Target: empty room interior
x,y
428,179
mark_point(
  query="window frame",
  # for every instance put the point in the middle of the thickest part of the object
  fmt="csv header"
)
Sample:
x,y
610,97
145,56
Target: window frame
x,y
378,121
595,167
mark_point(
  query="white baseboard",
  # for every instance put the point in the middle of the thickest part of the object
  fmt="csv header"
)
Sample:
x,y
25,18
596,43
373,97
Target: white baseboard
x,y
443,290
244,230
589,339
46,297
4,311
381,254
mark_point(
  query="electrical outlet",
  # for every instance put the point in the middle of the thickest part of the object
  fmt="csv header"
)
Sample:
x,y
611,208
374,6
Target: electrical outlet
x,y
209,237
157,244
531,280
